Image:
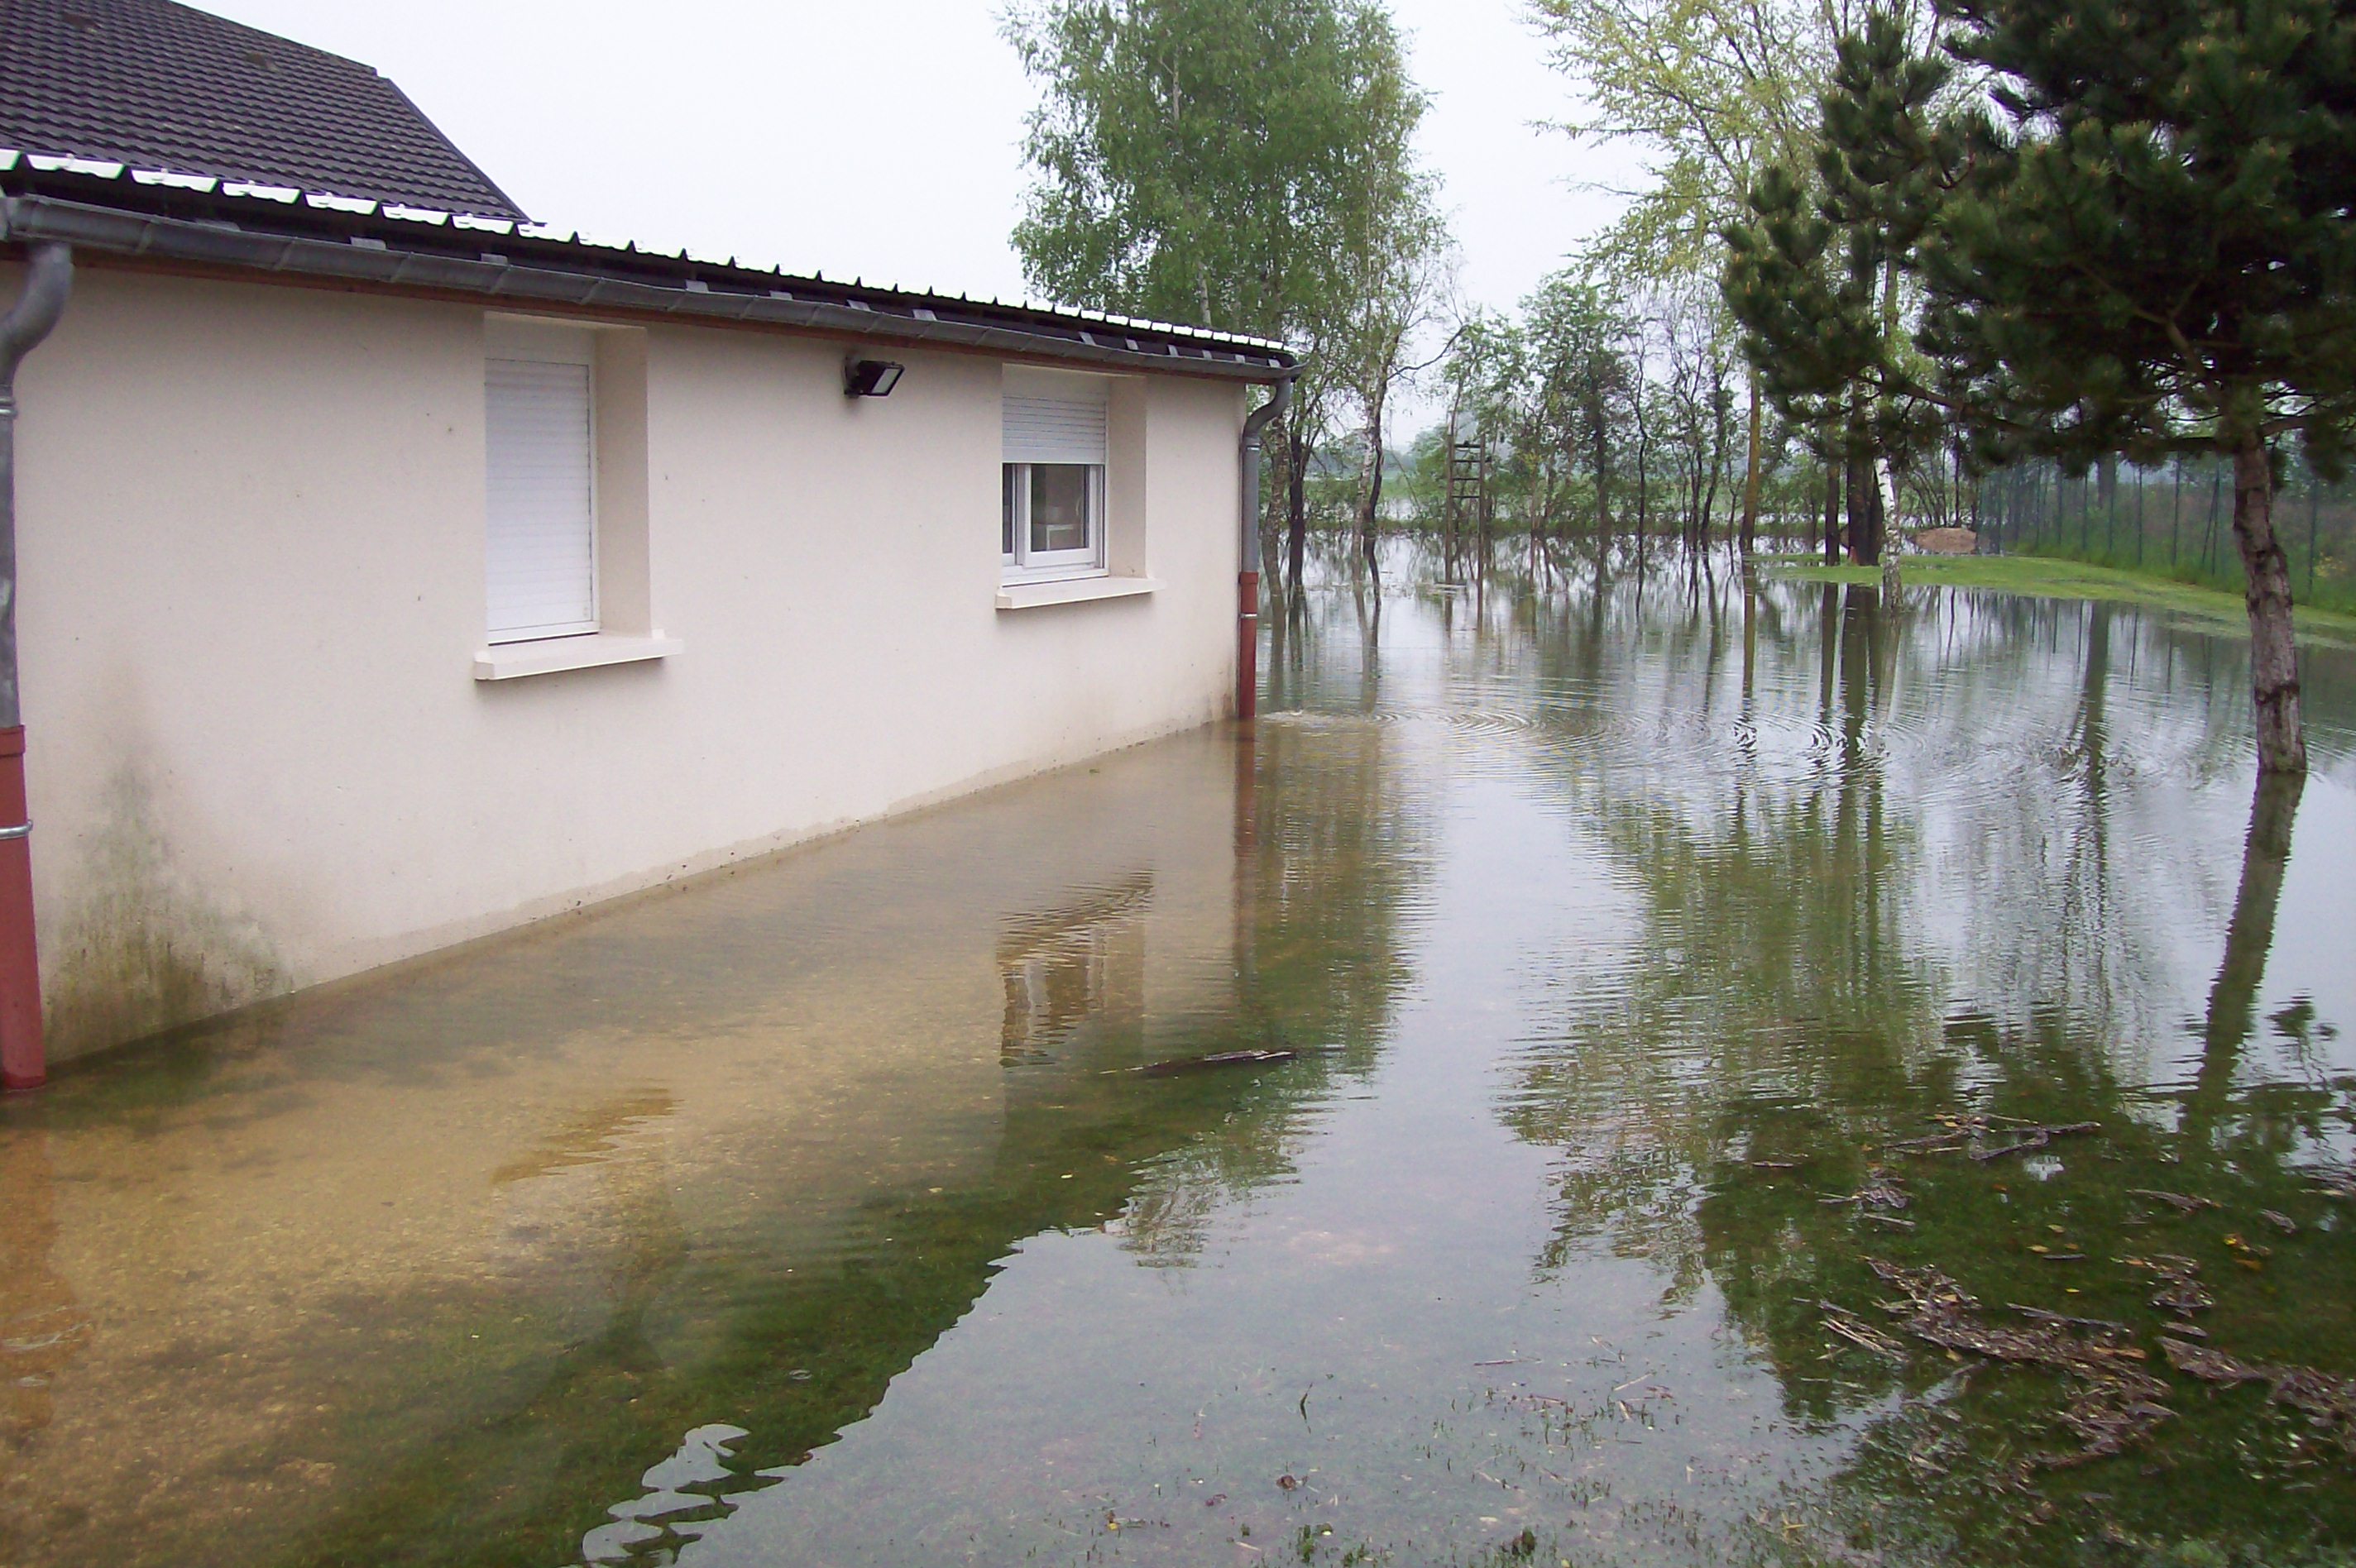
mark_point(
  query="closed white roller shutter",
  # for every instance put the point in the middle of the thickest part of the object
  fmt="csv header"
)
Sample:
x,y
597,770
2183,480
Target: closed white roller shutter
x,y
543,566
1054,430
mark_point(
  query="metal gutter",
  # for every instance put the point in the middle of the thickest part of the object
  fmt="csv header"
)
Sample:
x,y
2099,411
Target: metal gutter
x,y
1247,552
714,297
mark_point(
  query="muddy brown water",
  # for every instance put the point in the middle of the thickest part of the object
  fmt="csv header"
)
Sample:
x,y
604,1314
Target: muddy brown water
x,y
1606,939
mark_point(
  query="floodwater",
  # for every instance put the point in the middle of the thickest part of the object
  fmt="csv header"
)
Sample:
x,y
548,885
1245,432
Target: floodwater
x,y
1658,959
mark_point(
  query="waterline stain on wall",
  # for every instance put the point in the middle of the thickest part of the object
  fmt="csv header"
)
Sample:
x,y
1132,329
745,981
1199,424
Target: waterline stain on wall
x,y
140,949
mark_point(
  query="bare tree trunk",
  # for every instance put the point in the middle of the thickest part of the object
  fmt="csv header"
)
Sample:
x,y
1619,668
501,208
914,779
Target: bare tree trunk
x,y
1750,478
2274,649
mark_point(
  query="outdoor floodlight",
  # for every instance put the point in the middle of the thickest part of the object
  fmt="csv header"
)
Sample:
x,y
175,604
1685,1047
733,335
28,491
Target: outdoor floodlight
x,y
870,377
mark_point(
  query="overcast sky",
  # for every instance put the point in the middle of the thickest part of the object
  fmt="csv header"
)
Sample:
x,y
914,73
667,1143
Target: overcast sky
x,y
881,138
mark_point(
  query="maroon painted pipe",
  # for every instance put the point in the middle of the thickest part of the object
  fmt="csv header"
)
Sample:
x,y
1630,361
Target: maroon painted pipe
x,y
22,1062
1247,646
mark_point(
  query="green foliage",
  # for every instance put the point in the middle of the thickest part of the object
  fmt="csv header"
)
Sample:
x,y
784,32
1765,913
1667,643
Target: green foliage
x,y
1813,273
1228,162
1710,91
1249,165
2152,240
2133,240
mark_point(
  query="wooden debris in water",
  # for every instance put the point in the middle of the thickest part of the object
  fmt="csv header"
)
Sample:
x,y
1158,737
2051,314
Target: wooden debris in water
x,y
2180,1290
1858,1332
1228,1059
1879,1191
2036,1138
2209,1364
2059,1320
2118,1403
1961,1132
2176,1201
2329,1401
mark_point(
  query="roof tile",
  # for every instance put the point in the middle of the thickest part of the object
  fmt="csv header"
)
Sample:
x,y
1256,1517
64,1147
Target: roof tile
x,y
163,86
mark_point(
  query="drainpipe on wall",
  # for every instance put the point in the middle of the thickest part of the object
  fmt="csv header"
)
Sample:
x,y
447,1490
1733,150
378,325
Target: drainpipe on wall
x,y
23,1064
1247,557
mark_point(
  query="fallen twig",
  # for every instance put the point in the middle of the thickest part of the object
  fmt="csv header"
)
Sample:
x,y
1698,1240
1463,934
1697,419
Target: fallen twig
x,y
2035,1138
2176,1201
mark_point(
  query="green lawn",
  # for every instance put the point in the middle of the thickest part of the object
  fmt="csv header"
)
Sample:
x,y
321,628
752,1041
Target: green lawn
x,y
2046,578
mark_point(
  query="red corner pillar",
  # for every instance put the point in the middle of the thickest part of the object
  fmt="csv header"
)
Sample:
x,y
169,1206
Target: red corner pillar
x,y
23,1064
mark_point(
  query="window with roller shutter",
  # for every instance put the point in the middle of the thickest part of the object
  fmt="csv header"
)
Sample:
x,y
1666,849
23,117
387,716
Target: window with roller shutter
x,y
1052,520
540,557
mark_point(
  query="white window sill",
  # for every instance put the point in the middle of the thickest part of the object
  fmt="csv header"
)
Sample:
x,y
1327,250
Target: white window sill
x,y
512,661
1072,591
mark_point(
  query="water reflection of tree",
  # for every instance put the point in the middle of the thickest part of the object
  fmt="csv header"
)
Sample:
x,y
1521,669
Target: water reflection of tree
x,y
1787,1016
1773,942
1328,851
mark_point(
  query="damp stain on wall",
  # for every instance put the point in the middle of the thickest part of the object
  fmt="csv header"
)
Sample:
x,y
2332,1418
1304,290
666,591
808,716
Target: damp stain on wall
x,y
140,947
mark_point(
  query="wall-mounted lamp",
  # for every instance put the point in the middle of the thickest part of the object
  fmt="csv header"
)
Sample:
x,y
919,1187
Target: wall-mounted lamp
x,y
870,377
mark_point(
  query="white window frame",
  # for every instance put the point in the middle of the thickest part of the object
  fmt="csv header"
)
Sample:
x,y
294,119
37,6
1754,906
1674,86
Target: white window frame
x,y
571,348
1023,564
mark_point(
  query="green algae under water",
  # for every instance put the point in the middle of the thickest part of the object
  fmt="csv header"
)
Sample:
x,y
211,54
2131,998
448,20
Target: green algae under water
x,y
1645,947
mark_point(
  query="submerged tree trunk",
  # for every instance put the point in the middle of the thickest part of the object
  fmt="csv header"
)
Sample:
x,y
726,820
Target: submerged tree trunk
x,y
1296,522
1831,512
2273,650
1885,513
1858,485
1644,479
1599,429
1750,475
1371,503
1865,512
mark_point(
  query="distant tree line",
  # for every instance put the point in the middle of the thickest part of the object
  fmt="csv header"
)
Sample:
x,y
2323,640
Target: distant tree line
x,y
1931,258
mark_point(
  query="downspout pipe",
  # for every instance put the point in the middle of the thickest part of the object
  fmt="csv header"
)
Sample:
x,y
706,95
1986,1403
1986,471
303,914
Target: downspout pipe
x,y
1248,555
48,278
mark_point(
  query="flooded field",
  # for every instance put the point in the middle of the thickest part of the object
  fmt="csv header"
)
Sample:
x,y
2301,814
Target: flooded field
x,y
1755,1076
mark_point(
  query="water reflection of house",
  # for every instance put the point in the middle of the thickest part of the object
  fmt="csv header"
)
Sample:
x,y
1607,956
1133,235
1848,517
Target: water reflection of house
x,y
1078,967
661,1160
396,570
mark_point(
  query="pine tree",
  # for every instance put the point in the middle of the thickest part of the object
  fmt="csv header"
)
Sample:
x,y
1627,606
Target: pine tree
x,y
1814,275
2134,239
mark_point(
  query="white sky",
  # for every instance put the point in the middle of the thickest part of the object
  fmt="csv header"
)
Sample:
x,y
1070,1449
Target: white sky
x,y
880,139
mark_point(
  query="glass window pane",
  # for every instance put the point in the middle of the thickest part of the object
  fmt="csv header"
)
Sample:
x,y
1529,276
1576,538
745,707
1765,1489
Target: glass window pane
x,y
1060,496
1006,528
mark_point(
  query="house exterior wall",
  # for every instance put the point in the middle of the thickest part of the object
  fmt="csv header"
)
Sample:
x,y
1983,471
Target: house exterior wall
x,y
251,526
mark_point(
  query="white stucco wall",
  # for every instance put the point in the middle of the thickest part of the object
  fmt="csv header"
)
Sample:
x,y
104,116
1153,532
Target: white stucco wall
x,y
251,540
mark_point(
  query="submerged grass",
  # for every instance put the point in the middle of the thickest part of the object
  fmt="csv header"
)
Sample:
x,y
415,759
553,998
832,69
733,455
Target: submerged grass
x,y
2048,578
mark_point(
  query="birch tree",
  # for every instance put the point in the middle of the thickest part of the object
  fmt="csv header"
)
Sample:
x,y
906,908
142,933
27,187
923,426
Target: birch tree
x,y
1229,163
1710,93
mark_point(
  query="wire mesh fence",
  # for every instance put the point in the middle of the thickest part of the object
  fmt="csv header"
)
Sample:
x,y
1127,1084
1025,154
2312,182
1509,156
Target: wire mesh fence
x,y
2176,520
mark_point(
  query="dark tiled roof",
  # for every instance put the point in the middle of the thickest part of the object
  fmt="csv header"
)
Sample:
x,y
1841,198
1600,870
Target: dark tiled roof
x,y
159,85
